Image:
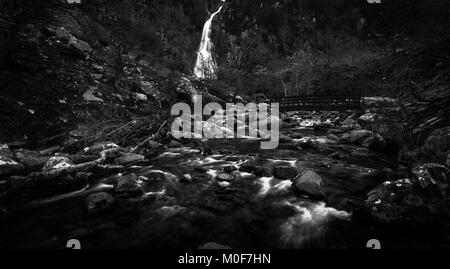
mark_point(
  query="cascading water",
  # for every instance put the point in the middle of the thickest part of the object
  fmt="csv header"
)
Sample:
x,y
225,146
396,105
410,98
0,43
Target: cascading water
x,y
206,66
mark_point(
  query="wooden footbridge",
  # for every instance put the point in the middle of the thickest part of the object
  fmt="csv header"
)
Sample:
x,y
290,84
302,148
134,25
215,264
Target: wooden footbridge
x,y
318,102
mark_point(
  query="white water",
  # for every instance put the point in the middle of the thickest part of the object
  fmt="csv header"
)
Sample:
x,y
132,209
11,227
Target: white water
x,y
206,66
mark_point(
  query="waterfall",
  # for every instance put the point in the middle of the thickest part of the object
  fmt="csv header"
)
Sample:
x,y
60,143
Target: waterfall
x,y
206,66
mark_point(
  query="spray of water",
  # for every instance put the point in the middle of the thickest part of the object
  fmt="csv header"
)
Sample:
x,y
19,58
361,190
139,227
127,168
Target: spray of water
x,y
206,66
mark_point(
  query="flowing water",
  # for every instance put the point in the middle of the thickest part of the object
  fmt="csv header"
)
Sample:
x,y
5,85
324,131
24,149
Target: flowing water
x,y
246,212
205,65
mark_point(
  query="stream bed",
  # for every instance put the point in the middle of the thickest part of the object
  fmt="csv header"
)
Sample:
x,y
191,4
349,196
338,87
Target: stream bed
x,y
192,196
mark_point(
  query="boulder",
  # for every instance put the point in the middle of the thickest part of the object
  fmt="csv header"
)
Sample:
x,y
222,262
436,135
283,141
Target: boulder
x,y
285,172
186,90
5,151
128,158
397,202
355,136
375,142
224,177
187,178
140,97
99,201
438,145
129,185
306,143
82,48
174,144
8,166
247,167
31,159
239,99
309,184
262,171
230,168
434,179
349,124
153,144
57,163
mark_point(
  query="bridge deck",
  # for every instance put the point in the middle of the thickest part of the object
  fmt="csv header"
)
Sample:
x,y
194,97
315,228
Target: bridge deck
x,y
318,103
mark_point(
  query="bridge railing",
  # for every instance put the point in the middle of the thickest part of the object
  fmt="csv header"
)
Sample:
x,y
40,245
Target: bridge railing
x,y
319,102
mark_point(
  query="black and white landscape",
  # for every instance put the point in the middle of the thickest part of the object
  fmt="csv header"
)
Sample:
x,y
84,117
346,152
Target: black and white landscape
x,y
88,155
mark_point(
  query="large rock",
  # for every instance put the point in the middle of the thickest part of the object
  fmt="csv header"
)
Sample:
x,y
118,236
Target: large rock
x,y
434,179
438,145
186,90
309,184
127,158
57,163
375,142
8,166
128,185
285,172
397,202
355,136
368,118
387,124
99,201
224,177
5,151
174,144
80,47
31,159
247,167
349,124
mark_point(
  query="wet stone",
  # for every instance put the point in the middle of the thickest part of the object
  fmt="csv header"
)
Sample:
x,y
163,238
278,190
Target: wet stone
x,y
434,178
187,178
5,151
230,169
129,185
285,172
262,171
57,163
128,158
99,201
247,167
224,177
8,166
174,144
396,202
309,184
